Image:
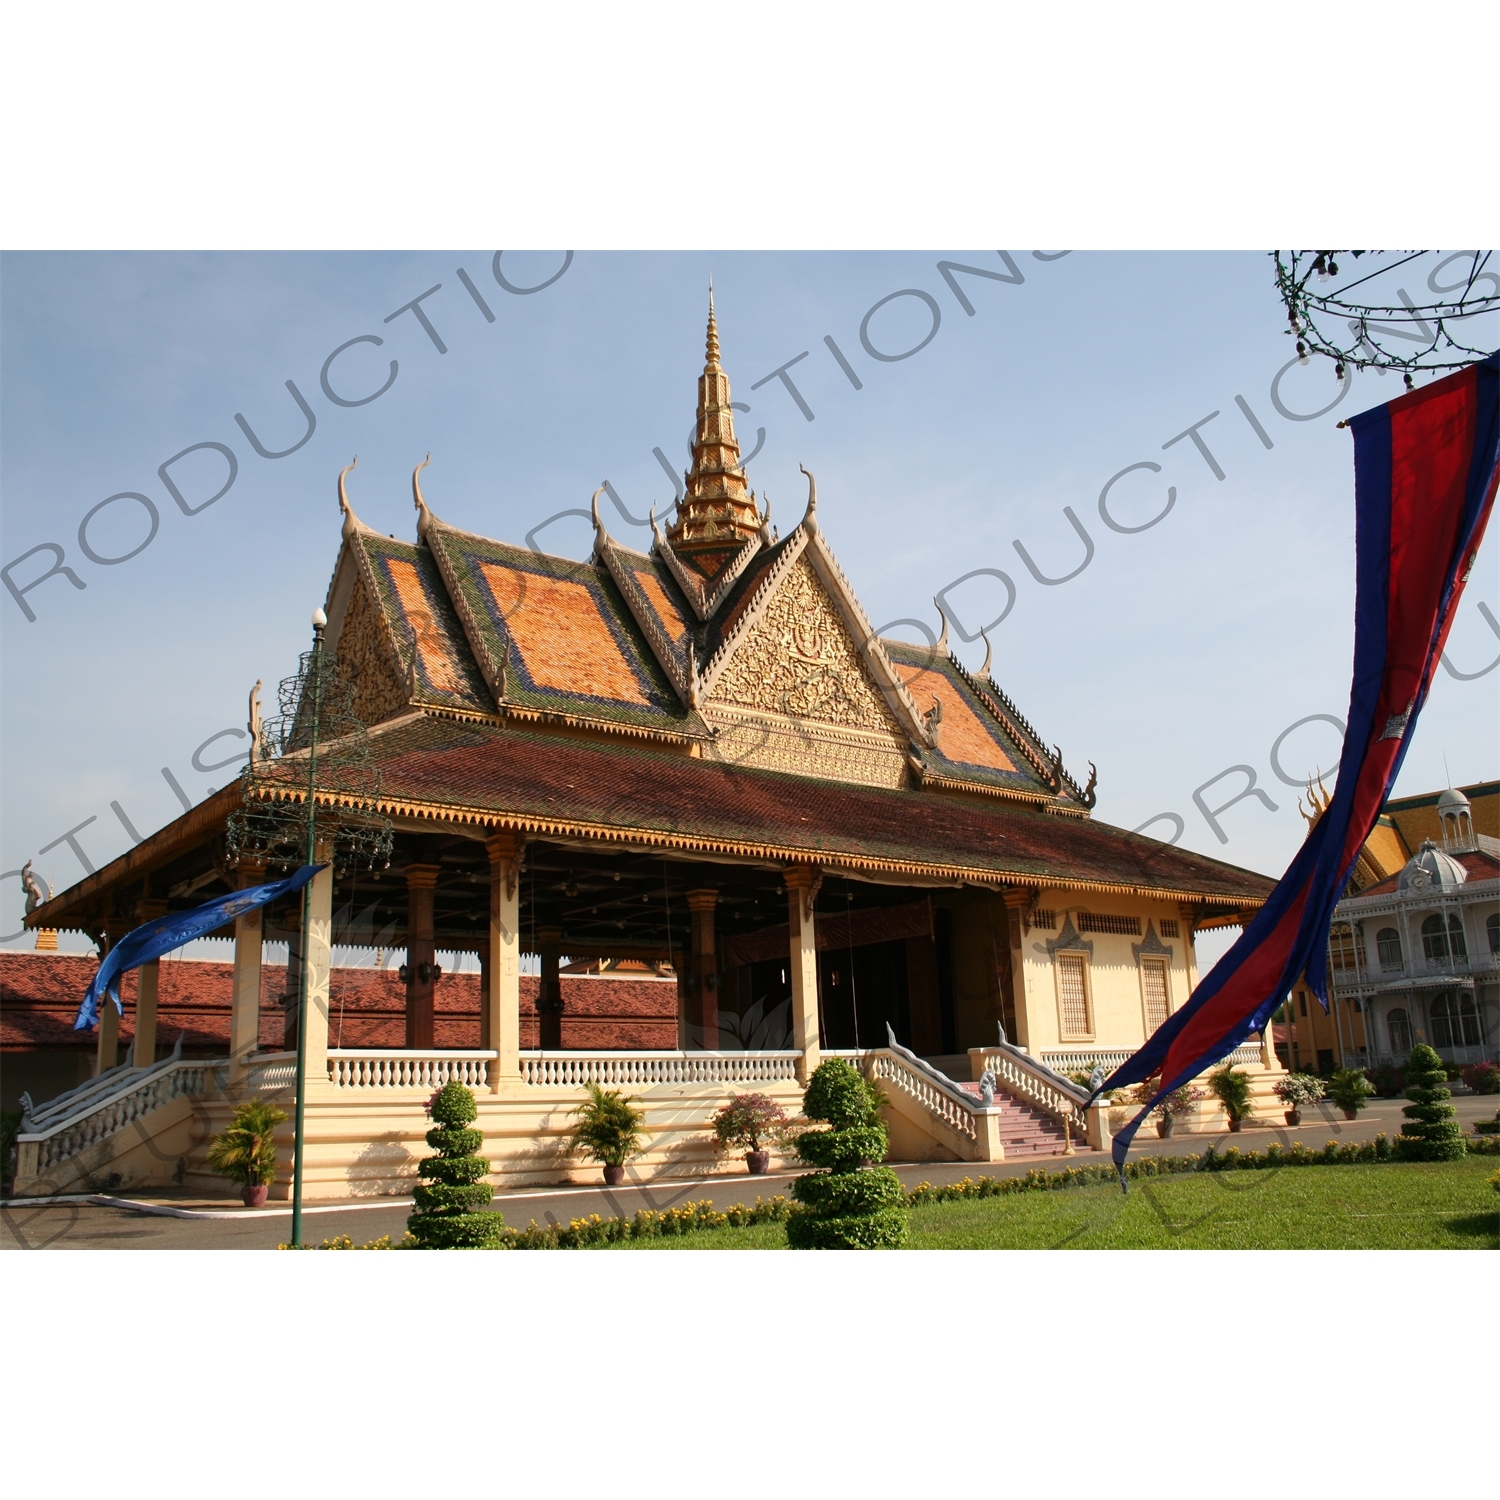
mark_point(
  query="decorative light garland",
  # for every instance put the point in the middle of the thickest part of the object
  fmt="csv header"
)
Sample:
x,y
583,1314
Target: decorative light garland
x,y
1357,332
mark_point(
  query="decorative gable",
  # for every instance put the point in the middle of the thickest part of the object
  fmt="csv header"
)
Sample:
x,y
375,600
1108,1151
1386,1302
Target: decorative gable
x,y
365,657
797,694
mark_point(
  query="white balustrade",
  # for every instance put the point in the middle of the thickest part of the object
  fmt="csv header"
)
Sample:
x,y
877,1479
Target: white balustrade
x,y
1085,1060
393,1068
270,1072
1022,1078
38,1150
651,1069
950,1104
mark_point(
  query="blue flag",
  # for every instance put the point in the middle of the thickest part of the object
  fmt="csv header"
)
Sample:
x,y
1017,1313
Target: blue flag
x,y
163,934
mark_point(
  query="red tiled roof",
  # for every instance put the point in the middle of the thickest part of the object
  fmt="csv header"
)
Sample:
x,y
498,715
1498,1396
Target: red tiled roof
x,y
552,785
39,995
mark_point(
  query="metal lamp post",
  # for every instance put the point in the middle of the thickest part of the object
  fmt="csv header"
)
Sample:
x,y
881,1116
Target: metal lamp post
x,y
319,621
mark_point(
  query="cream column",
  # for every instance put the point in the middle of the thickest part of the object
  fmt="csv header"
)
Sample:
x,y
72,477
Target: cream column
x,y
802,883
502,998
107,1048
146,986
1018,902
317,941
244,1001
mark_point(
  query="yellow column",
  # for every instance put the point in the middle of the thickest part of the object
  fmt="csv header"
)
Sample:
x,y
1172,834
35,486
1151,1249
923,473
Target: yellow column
x,y
801,890
319,953
107,1049
146,983
244,1004
502,999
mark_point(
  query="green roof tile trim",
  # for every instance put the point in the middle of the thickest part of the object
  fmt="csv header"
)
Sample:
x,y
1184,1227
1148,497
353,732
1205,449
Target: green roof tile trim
x,y
463,556
625,792
905,657
446,672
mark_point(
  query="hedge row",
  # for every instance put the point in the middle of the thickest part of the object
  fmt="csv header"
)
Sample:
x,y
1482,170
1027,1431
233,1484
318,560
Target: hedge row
x,y
593,1231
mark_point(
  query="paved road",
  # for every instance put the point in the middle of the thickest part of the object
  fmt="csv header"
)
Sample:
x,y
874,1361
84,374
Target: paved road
x,y
86,1226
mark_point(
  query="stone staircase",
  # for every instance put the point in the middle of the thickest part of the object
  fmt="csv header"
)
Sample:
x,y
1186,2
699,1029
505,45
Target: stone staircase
x,y
1024,1131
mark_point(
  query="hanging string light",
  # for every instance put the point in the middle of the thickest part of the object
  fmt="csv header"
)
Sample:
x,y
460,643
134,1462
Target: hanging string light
x,y
1371,320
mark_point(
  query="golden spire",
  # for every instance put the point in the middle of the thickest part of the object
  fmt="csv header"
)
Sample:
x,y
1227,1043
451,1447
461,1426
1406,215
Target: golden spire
x,y
717,515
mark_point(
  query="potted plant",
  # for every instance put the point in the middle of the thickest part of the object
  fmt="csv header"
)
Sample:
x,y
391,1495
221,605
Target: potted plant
x,y
1482,1078
1231,1087
245,1150
1297,1089
608,1131
1178,1102
1349,1088
746,1120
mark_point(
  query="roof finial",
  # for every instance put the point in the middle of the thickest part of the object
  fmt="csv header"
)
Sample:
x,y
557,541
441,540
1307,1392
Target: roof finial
x,y
424,516
594,506
713,329
942,641
989,651
352,523
810,519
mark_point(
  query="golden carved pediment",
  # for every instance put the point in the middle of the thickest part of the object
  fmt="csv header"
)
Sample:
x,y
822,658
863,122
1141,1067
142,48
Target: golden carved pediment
x,y
799,661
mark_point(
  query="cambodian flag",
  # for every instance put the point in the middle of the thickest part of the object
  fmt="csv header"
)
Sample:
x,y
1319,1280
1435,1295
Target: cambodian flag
x,y
163,934
1424,485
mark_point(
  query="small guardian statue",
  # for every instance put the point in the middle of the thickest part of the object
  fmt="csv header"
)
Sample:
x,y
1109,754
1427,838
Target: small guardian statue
x,y
987,1088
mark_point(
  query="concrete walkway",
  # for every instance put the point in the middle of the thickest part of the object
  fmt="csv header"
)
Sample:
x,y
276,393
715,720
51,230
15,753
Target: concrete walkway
x,y
175,1220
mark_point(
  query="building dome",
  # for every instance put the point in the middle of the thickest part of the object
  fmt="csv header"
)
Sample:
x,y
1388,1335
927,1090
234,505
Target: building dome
x,y
1429,869
1452,800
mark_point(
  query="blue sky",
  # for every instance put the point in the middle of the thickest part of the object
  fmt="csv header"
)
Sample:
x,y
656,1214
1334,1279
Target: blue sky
x,y
1178,652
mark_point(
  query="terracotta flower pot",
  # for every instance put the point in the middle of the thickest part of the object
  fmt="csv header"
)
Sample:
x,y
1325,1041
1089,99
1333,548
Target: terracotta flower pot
x,y
1294,1117
757,1161
1164,1126
255,1196
614,1176
1234,1126
1351,1114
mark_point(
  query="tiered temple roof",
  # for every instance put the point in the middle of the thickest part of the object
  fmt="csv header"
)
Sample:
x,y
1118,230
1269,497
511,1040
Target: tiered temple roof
x,y
722,694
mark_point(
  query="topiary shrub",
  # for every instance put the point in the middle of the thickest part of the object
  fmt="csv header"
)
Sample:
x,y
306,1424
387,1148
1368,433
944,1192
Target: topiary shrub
x,y
850,1204
445,1216
1431,1132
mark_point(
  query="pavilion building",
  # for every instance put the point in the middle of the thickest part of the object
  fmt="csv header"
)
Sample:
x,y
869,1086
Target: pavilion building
x,y
701,758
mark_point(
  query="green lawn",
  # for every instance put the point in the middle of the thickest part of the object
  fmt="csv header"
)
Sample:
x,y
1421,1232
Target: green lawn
x,y
1429,1206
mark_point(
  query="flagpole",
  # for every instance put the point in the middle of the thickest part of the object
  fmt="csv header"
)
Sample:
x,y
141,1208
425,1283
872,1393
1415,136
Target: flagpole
x,y
319,620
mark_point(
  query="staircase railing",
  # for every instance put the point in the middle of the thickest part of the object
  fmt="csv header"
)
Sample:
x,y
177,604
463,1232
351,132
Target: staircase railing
x,y
1034,1083
934,1091
94,1119
77,1100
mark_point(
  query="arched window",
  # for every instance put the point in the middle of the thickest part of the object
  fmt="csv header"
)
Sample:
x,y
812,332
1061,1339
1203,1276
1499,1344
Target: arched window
x,y
1492,927
1399,1027
1341,948
1442,941
1455,1023
1388,942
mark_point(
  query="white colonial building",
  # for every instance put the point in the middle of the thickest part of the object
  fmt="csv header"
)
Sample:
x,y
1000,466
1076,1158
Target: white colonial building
x,y
1416,956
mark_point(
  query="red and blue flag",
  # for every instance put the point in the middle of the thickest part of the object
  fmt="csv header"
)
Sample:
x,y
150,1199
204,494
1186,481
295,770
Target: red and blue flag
x,y
1424,485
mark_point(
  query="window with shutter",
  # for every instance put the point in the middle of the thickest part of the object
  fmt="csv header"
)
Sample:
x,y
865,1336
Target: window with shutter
x,y
1154,989
1073,994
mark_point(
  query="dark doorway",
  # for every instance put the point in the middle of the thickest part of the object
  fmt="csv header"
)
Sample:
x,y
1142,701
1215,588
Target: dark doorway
x,y
862,990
